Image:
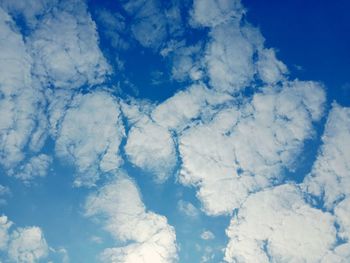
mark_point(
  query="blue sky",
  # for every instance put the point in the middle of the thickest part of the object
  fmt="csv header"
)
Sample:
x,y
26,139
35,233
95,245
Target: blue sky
x,y
174,131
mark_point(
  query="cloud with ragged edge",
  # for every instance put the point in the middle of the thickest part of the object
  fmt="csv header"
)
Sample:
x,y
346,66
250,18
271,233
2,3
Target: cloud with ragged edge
x,y
232,133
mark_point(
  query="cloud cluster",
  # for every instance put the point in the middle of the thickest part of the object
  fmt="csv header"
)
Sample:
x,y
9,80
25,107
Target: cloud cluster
x,y
281,224
21,101
245,148
148,236
22,245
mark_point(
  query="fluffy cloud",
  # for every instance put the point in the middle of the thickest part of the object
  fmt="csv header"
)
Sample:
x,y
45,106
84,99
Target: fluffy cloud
x,y
36,166
211,13
30,10
269,67
90,135
5,224
22,245
234,55
151,24
151,147
119,206
65,48
182,109
23,121
229,56
277,225
245,148
330,176
27,245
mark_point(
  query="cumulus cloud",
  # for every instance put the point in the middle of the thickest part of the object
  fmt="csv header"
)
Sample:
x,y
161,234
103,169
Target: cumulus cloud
x,y
329,180
65,48
5,224
27,245
330,176
277,225
90,135
211,13
148,235
181,110
23,122
22,245
270,69
152,23
245,148
30,10
229,57
37,166
151,147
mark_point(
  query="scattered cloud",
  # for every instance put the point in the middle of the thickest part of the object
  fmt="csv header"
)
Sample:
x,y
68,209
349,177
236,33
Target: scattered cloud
x,y
147,236
187,209
207,235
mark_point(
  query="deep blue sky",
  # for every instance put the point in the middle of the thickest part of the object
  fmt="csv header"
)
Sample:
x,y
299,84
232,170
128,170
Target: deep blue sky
x,y
313,34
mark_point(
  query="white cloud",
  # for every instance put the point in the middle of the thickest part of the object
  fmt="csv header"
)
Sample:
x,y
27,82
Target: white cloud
x,y
277,225
151,23
269,67
342,211
151,147
90,135
27,245
229,56
187,208
211,13
37,166
65,48
341,254
330,176
245,148
148,235
30,10
22,245
5,224
180,110
22,122
114,27
207,235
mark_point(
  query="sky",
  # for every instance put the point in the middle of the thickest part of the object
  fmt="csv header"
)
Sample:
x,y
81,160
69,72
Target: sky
x,y
174,131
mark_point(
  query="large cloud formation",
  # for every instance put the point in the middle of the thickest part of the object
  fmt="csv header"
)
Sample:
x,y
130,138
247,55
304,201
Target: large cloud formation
x,y
232,133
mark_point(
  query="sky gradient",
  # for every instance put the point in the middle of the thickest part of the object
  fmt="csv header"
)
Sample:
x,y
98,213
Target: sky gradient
x,y
174,131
